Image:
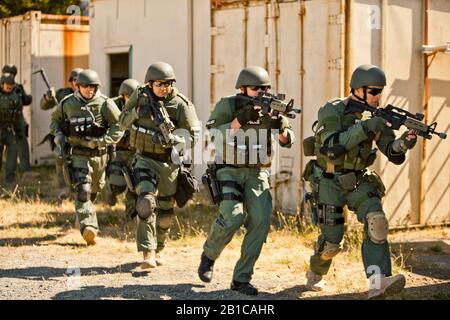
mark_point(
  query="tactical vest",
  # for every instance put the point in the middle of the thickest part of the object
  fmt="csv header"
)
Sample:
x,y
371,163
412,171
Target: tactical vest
x,y
358,157
10,109
252,145
143,129
80,119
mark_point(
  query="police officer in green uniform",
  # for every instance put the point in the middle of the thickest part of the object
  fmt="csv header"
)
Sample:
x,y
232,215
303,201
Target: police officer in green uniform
x,y
343,146
47,102
243,173
155,166
115,180
22,131
88,122
10,116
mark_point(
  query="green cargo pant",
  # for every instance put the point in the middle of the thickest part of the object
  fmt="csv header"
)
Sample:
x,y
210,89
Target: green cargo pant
x,y
91,171
8,142
366,198
115,181
254,213
152,233
23,149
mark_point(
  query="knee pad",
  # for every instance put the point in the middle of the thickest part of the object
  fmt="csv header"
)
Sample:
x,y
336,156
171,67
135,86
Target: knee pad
x,y
145,205
330,250
165,218
83,192
116,190
377,227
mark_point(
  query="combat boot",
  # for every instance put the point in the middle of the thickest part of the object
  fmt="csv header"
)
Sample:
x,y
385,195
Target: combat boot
x,y
159,259
206,268
380,286
314,281
89,235
149,260
111,198
244,288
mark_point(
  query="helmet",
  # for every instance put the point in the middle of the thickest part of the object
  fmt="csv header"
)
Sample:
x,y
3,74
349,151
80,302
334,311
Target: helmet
x,y
9,68
160,71
128,86
367,75
7,78
74,73
88,76
253,76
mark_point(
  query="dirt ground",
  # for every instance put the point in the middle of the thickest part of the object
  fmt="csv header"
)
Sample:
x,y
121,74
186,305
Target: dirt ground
x,y
42,255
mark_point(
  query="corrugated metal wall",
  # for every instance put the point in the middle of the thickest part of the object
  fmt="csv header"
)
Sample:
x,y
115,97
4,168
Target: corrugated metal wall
x,y
35,41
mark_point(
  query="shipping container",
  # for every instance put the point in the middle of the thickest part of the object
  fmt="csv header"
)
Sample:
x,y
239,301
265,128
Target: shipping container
x,y
56,43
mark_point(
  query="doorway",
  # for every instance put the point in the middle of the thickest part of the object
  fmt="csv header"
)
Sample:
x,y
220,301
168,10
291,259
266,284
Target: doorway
x,y
119,71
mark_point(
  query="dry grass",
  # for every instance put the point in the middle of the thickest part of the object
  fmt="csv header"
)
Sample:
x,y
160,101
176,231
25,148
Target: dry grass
x,y
31,216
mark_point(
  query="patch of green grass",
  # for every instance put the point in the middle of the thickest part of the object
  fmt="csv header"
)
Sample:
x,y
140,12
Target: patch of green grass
x,y
436,248
443,295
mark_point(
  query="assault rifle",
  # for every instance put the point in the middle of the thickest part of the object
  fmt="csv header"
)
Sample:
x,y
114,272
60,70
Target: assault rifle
x,y
161,119
273,104
63,159
398,117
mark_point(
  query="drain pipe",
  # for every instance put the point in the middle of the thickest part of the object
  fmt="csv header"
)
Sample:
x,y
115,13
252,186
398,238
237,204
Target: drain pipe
x,y
426,94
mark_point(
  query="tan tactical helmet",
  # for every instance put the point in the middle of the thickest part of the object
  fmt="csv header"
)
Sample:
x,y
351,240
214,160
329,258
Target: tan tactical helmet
x,y
9,68
160,71
253,76
74,73
128,86
88,76
367,75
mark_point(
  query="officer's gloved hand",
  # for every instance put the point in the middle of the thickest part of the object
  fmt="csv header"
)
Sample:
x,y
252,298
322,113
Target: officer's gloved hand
x,y
407,141
50,94
375,124
246,114
60,140
93,143
275,123
144,111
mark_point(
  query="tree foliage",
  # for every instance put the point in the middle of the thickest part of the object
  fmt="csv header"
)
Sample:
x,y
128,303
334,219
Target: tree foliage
x,y
10,8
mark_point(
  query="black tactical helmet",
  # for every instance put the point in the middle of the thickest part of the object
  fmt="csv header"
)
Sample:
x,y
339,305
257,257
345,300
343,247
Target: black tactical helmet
x,y
7,78
367,75
88,76
253,76
160,71
128,86
74,73
9,68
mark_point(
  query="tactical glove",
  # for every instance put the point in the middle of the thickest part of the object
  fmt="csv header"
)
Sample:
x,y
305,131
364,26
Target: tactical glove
x,y
247,114
402,144
375,124
50,94
275,124
60,140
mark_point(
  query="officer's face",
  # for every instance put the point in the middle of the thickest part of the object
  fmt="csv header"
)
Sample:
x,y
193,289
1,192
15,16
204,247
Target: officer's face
x,y
253,91
7,88
125,98
161,88
87,91
73,83
373,95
